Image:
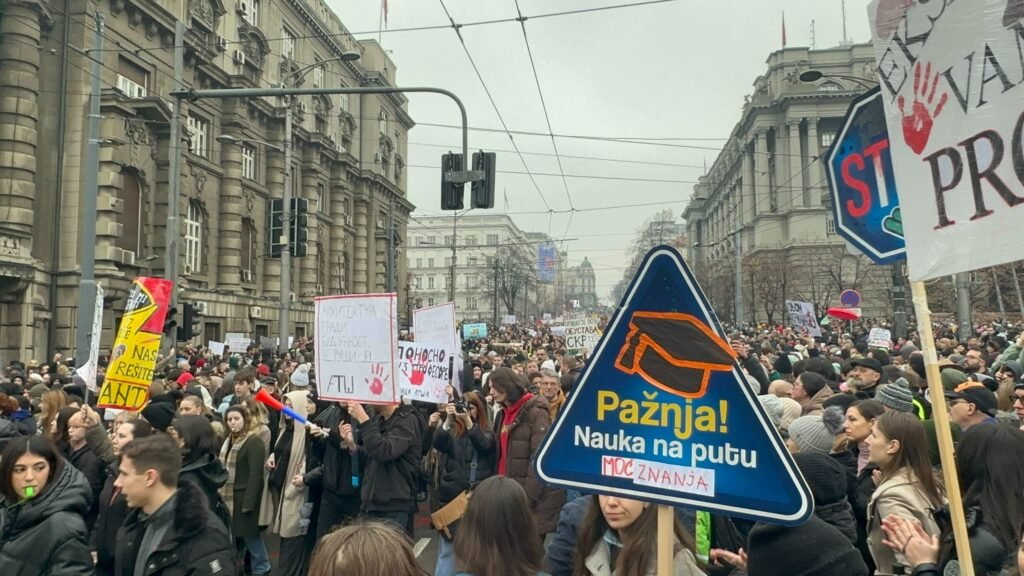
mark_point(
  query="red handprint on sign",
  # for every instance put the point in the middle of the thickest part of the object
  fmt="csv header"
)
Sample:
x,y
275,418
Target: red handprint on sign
x,y
416,378
918,123
377,384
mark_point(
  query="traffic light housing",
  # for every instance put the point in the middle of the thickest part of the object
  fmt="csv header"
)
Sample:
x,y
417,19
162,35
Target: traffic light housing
x,y
170,322
191,322
275,226
483,190
451,192
300,226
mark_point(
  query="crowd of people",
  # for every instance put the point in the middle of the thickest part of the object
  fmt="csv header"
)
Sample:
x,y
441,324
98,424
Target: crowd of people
x,y
205,479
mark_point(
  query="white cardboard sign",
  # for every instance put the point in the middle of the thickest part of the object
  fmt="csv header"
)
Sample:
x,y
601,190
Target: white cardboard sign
x,y
801,317
357,348
880,338
436,324
423,371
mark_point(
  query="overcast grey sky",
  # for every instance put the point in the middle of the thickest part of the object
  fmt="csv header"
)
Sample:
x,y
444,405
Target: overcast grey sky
x,y
677,70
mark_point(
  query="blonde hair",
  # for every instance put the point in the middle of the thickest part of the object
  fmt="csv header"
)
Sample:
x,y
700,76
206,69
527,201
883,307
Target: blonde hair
x,y
366,548
49,405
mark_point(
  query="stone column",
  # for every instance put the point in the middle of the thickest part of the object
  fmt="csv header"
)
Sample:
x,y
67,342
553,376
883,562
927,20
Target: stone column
x,y
337,277
795,191
275,189
762,192
231,212
308,268
747,204
815,184
361,278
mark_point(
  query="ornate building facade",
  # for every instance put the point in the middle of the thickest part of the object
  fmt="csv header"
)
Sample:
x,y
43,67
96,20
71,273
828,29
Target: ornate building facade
x,y
348,161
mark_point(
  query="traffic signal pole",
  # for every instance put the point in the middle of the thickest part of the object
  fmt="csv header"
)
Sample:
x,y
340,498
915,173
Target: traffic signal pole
x,y
285,303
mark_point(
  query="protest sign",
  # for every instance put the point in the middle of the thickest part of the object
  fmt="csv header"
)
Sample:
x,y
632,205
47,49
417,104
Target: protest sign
x,y
508,319
662,413
423,371
954,111
137,346
801,317
436,324
357,348
880,338
558,331
86,373
236,341
474,331
217,348
546,317
581,334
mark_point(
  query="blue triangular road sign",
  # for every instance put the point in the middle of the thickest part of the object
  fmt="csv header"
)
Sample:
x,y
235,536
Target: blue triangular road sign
x,y
663,413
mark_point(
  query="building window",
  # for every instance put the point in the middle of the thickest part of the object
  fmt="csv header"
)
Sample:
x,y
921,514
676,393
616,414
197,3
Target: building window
x,y
248,249
471,261
382,120
492,239
199,136
250,11
131,214
419,262
318,73
448,262
430,262
830,227
419,282
132,80
471,281
447,282
343,100
430,301
829,87
471,304
321,193
422,241
430,282
287,44
448,240
248,161
827,138
470,240
193,237
433,240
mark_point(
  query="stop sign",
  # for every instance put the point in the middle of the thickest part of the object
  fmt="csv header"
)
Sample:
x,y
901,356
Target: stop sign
x,y
865,203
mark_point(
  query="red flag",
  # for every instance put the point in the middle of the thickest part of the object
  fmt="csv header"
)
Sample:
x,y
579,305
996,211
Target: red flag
x,y
783,25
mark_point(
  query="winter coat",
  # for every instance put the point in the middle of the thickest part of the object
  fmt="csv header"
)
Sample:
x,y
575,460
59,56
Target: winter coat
x,y
864,488
988,554
900,495
457,459
524,437
753,367
113,509
814,405
560,557
97,440
8,431
336,466
25,422
195,543
46,535
248,488
826,478
599,562
95,473
209,475
393,449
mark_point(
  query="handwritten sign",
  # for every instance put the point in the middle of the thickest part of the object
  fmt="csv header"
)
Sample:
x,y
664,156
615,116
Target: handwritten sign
x,y
423,371
436,324
217,348
474,331
236,341
880,338
137,346
581,334
508,319
801,317
357,348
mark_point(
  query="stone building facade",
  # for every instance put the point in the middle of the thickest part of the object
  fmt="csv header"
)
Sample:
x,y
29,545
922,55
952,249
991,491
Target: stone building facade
x,y
767,190
581,287
348,161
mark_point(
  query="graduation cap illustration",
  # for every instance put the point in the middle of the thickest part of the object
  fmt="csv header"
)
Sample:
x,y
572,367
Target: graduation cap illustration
x,y
675,352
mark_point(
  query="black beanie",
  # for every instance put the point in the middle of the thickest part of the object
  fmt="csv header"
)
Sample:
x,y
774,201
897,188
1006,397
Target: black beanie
x,y
783,365
159,415
783,551
825,476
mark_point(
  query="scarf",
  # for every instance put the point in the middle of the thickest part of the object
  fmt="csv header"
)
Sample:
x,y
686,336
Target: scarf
x,y
229,457
555,405
508,419
863,454
292,515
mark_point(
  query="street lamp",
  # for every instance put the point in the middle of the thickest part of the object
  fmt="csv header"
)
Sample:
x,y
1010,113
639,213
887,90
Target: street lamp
x,y
815,75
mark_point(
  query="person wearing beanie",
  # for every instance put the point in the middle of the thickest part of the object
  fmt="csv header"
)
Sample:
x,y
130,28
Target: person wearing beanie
x,y
784,367
827,480
896,396
808,434
159,415
184,379
842,401
785,551
300,378
773,408
951,378
790,412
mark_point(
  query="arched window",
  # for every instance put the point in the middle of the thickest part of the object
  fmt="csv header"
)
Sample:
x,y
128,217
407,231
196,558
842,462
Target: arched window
x,y
131,214
195,222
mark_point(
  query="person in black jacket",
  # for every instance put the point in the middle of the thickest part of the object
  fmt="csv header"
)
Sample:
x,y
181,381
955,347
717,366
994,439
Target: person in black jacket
x,y
113,508
338,472
170,530
71,428
751,364
468,457
43,499
393,444
201,464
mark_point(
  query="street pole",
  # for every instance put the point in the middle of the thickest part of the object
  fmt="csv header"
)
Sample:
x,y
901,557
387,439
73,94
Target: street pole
x,y
899,301
963,305
87,233
391,244
451,284
739,275
1016,286
285,306
999,293
174,178
495,289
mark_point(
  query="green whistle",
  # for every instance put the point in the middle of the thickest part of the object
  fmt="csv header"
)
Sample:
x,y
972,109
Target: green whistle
x,y
30,491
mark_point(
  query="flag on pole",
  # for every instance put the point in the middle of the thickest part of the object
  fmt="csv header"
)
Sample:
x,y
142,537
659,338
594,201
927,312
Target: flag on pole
x,y
384,9
783,24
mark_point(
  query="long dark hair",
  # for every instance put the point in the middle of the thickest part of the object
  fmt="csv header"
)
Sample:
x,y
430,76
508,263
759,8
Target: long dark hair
x,y
497,535
913,452
511,384
197,437
990,464
638,551
472,398
38,445
63,436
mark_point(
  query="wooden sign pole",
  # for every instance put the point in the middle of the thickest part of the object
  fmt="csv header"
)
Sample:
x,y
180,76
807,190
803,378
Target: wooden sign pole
x,y
940,415
666,539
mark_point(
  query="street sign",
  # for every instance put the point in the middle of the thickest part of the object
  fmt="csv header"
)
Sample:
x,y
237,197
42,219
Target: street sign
x,y
865,202
850,298
662,413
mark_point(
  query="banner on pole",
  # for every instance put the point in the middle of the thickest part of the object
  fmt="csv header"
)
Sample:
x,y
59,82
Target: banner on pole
x,y
357,348
88,371
436,324
954,110
137,346
801,317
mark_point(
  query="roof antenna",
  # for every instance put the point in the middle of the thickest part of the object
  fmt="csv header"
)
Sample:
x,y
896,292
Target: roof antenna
x,y
845,41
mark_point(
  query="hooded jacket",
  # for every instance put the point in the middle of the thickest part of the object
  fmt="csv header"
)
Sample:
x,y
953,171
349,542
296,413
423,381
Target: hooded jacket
x,y
208,474
457,460
8,432
335,467
195,543
46,535
393,449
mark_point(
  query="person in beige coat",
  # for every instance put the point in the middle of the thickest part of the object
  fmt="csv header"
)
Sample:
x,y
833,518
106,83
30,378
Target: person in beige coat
x,y
289,510
906,485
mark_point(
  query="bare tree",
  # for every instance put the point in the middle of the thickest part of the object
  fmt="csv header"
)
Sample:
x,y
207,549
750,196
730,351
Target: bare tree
x,y
769,282
508,276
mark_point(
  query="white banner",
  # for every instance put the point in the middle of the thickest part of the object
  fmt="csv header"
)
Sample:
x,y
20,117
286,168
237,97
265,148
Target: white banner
x,y
423,371
217,348
436,324
508,319
88,371
581,334
801,317
880,338
357,348
950,80
236,342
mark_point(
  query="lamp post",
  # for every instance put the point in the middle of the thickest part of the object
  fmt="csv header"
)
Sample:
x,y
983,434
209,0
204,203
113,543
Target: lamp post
x,y
815,75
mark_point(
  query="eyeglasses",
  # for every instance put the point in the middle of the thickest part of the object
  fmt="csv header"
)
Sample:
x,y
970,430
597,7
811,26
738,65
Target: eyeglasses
x,y
1018,398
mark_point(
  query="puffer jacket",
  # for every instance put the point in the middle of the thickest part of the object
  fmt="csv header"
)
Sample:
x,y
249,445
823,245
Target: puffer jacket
x,y
113,509
457,459
525,435
8,431
393,448
46,535
209,475
989,556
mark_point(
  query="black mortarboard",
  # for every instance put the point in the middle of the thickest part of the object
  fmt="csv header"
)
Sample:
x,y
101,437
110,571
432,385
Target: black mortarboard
x,y
675,352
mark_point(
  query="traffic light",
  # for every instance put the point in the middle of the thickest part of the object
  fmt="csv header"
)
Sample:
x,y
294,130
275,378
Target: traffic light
x,y
451,192
191,322
483,190
275,226
170,322
300,226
